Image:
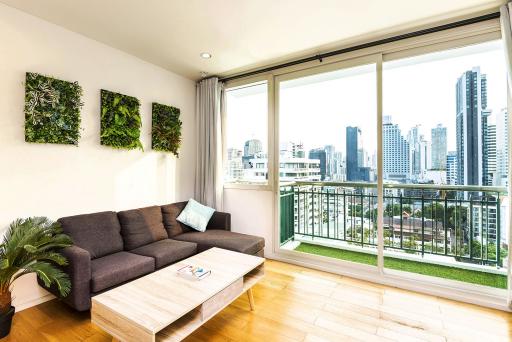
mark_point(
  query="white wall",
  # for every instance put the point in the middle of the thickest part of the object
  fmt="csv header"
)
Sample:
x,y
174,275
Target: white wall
x,y
59,180
252,213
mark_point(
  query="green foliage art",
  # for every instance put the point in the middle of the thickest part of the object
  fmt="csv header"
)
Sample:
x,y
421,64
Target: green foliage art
x,y
166,128
120,121
52,110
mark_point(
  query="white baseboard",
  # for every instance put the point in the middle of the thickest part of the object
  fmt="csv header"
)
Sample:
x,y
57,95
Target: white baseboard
x,y
33,302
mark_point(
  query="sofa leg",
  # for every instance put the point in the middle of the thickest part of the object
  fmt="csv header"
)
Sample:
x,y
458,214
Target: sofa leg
x,y
251,298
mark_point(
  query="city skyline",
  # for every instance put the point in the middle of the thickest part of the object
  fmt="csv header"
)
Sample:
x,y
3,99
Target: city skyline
x,y
429,138
408,162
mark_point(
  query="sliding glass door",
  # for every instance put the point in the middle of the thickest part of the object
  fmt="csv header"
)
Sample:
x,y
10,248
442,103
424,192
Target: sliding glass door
x,y
445,142
328,161
442,147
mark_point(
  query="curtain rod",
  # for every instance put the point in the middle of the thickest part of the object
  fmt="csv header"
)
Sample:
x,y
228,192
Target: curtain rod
x,y
320,57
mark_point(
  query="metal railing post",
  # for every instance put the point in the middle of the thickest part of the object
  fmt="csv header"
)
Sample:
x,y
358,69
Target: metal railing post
x,y
362,219
422,224
445,224
400,198
471,232
498,231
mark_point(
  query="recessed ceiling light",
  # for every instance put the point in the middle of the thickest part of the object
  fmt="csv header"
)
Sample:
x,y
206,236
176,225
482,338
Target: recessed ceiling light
x,y
205,55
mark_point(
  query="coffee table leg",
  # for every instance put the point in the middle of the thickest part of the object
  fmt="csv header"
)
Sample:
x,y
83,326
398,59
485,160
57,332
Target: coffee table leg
x,y
251,298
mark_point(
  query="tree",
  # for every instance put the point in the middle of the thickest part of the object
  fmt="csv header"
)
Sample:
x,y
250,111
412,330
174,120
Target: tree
x,y
410,243
434,211
355,210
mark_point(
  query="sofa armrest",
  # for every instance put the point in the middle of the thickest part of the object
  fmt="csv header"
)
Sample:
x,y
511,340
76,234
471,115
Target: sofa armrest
x,y
79,272
220,220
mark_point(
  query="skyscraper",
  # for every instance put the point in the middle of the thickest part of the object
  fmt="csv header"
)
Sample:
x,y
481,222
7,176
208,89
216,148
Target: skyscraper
x,y
330,167
489,150
501,178
413,138
251,149
355,156
319,154
396,152
234,166
471,97
339,167
352,147
451,168
439,147
420,155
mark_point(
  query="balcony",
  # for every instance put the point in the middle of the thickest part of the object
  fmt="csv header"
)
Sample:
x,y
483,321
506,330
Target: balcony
x,y
452,232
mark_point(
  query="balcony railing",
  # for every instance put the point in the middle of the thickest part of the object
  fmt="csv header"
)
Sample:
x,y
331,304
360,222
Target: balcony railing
x,y
462,222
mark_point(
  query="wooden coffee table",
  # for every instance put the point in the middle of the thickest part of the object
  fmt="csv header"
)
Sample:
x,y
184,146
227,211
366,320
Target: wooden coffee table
x,y
165,307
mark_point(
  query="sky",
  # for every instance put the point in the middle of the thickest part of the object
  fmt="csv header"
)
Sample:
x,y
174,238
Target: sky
x,y
419,90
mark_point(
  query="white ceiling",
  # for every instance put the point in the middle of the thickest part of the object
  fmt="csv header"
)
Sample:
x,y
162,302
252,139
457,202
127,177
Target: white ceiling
x,y
240,34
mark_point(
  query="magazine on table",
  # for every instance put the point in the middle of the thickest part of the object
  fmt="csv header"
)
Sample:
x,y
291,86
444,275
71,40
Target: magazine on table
x,y
193,272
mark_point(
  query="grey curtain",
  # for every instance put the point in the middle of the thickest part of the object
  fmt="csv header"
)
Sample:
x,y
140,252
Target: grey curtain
x,y
208,175
506,36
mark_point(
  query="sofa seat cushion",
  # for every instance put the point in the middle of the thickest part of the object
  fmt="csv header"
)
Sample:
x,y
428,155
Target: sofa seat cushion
x,y
141,226
243,243
167,251
97,233
118,268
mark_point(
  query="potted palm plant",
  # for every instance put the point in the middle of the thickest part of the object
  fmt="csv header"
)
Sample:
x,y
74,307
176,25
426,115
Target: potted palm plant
x,y
31,246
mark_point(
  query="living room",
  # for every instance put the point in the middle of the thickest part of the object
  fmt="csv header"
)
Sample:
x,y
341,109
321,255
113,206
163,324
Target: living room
x,y
255,170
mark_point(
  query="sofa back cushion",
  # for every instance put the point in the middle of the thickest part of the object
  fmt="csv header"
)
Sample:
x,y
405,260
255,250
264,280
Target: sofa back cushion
x,y
97,233
170,212
141,226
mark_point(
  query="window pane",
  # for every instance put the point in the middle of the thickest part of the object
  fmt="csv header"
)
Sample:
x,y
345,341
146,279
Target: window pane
x,y
328,134
445,123
246,138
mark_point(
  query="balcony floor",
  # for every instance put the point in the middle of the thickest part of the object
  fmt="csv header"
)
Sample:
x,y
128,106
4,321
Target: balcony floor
x,y
453,273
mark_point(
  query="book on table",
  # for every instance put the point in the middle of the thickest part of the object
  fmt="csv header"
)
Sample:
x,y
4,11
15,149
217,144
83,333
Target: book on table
x,y
193,272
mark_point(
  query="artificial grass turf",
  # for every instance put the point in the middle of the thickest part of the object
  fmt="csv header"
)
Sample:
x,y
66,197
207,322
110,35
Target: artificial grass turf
x,y
454,273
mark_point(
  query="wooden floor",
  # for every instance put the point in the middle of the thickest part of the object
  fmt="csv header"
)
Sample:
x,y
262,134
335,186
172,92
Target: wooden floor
x,y
298,304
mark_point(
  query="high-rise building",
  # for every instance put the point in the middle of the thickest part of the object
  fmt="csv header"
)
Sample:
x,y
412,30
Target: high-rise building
x,y
413,138
451,168
502,152
396,152
290,169
352,147
471,98
319,154
290,149
355,156
439,147
339,167
489,150
252,149
420,155
330,167
234,168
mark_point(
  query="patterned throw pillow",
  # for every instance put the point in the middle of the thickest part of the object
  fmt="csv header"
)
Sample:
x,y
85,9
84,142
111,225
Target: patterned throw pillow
x,y
195,215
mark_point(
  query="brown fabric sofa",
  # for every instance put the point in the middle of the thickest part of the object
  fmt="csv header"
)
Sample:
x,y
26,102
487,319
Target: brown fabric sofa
x,y
112,248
